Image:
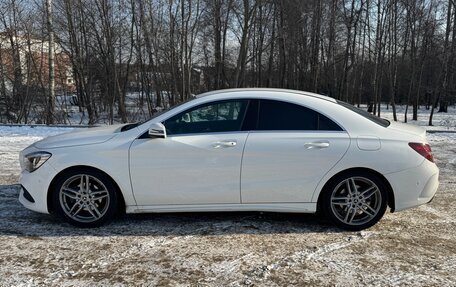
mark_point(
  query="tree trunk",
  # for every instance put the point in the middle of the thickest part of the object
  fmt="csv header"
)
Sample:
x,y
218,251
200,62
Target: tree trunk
x,y
51,99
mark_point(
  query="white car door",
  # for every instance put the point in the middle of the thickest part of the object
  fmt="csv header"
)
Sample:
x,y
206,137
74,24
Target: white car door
x,y
197,163
289,153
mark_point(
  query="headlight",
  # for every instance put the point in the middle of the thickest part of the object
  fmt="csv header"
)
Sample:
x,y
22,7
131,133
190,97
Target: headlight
x,y
34,160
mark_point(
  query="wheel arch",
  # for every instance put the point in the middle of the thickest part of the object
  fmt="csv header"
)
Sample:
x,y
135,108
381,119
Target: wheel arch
x,y
391,201
121,200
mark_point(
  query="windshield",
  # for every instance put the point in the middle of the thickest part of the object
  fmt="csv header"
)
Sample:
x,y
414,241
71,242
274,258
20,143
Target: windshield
x,y
367,115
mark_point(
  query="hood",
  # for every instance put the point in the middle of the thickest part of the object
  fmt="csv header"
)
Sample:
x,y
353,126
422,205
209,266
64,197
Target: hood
x,y
85,136
408,128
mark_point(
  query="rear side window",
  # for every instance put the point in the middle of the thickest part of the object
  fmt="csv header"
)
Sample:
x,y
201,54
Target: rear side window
x,y
277,115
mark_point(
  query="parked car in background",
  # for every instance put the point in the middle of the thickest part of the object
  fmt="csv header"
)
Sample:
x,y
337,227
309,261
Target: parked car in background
x,y
235,150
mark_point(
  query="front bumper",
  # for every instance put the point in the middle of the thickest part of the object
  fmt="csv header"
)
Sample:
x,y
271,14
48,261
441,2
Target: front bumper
x,y
37,185
415,186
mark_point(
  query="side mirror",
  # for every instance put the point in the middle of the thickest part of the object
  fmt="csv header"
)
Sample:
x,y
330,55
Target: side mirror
x,y
157,130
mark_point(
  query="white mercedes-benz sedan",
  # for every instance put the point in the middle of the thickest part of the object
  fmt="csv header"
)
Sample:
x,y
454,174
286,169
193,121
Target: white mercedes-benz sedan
x,y
235,150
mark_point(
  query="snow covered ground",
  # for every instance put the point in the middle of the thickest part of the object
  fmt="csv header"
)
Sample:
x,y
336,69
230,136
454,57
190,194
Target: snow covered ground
x,y
441,121
416,247
13,139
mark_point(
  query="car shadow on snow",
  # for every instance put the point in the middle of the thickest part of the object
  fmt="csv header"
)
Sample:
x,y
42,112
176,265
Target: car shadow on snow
x,y
16,220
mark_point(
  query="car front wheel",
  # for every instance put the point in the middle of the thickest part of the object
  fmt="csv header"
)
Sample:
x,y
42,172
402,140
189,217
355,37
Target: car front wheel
x,y
355,201
85,198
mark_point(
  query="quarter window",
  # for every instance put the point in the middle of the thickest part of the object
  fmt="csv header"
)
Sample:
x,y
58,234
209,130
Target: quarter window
x,y
222,116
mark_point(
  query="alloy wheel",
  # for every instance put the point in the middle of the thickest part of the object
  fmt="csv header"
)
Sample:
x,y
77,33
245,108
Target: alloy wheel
x,y
356,201
84,198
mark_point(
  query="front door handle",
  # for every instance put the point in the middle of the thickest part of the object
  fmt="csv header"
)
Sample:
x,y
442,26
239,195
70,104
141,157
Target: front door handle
x,y
224,144
317,145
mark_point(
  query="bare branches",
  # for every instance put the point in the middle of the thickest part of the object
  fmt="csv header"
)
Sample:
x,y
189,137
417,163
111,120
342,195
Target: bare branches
x,y
126,59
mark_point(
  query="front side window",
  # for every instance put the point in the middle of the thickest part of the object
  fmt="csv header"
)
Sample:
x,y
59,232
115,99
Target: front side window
x,y
221,116
277,115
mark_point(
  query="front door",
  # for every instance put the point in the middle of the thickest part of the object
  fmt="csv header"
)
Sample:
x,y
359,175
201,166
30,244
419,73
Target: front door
x,y
198,163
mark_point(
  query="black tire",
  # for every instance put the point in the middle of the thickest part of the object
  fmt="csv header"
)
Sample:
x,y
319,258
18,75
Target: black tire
x,y
355,200
81,204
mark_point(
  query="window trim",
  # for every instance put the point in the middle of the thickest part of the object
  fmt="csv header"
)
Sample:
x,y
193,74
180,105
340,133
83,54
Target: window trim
x,y
257,120
251,102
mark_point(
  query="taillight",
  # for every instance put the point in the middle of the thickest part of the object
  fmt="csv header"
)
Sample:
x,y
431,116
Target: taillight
x,y
423,149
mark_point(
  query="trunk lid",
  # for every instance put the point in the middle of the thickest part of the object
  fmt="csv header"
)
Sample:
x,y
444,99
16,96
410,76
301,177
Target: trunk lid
x,y
408,128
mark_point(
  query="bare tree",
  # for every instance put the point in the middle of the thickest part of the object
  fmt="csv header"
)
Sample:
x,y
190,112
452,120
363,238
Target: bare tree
x,y
51,87
131,58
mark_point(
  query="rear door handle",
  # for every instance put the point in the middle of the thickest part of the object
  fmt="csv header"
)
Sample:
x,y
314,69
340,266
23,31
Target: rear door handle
x,y
317,145
224,144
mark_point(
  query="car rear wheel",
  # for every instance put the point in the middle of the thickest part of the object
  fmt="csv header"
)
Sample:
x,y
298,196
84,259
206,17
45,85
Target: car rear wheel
x,y
355,201
85,198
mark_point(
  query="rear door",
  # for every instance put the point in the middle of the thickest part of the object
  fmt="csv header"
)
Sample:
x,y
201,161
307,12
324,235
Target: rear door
x,y
288,153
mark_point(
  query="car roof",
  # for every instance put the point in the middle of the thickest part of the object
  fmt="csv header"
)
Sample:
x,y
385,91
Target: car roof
x,y
296,92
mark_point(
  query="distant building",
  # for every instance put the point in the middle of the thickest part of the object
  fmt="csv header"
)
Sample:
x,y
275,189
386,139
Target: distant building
x,y
25,59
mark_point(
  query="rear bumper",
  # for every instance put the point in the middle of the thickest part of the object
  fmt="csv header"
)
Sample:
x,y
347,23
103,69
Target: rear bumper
x,y
415,186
